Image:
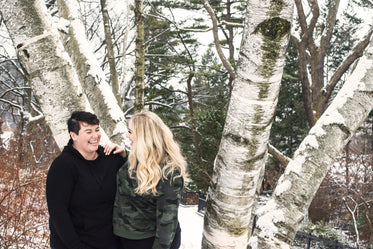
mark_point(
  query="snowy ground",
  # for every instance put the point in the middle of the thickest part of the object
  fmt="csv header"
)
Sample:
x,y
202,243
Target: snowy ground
x,y
191,223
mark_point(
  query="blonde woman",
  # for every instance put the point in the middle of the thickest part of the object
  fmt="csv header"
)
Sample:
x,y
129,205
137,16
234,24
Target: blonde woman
x,y
149,187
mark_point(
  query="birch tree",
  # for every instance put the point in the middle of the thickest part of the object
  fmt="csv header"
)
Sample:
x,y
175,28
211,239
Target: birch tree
x,y
110,51
56,79
239,164
280,217
91,77
140,56
316,89
49,69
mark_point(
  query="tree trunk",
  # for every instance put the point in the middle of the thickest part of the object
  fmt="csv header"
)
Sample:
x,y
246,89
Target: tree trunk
x,y
110,52
48,69
279,219
140,57
92,78
239,165
316,90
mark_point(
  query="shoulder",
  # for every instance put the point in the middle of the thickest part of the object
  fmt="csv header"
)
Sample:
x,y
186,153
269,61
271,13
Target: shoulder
x,y
115,158
62,165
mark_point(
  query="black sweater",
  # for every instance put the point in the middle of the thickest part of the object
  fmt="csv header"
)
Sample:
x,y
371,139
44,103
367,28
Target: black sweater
x,y
80,196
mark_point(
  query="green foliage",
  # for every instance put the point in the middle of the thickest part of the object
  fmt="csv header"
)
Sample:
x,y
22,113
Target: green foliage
x,y
290,125
171,56
344,37
210,95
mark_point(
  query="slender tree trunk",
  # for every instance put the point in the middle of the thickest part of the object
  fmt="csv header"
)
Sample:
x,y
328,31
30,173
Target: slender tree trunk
x,y
239,165
110,51
222,57
196,140
230,41
140,57
280,217
91,76
123,83
49,70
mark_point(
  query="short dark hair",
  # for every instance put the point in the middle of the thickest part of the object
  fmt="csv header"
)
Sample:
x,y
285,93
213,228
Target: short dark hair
x,y
81,116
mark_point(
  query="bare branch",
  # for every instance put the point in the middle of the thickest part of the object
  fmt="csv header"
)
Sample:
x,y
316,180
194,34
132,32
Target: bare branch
x,y
284,160
225,62
357,53
330,23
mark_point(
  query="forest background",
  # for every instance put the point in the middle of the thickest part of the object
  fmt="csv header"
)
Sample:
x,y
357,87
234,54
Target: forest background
x,y
182,66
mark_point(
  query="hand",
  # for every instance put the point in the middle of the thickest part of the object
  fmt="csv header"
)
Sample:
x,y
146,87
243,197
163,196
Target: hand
x,y
115,148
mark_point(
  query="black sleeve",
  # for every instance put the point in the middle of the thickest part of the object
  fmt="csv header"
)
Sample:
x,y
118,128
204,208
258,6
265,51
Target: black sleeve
x,y
59,186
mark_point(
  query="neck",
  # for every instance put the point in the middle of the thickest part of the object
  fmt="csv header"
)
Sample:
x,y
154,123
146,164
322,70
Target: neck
x,y
87,156
90,156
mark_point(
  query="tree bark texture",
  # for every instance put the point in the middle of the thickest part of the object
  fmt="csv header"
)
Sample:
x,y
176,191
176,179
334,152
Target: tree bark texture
x,y
239,165
110,52
92,78
279,219
140,57
48,67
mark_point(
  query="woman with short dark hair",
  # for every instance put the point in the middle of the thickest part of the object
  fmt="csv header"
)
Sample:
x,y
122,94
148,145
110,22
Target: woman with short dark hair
x,y
81,187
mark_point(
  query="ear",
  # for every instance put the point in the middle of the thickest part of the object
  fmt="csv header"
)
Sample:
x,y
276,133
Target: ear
x,y
73,135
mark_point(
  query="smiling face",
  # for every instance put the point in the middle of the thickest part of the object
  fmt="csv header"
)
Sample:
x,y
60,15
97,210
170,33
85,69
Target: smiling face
x,y
87,140
130,134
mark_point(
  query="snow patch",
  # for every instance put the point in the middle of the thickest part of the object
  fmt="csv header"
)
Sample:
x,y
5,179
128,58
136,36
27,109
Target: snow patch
x,y
282,187
309,141
253,242
5,138
295,165
63,25
318,131
332,117
268,216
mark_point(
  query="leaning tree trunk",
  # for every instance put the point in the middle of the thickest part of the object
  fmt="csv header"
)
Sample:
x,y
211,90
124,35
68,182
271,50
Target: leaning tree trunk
x,y
92,78
48,68
239,165
280,217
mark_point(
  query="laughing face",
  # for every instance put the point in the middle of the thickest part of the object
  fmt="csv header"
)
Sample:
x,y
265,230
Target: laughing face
x,y
87,140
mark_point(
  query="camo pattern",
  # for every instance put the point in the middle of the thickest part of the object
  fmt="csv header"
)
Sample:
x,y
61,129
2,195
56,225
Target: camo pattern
x,y
144,216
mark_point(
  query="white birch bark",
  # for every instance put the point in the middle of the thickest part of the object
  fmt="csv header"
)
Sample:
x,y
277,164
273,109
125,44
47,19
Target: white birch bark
x,y
92,78
280,217
48,67
239,165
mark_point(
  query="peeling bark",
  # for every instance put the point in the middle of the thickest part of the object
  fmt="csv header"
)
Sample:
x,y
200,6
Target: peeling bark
x,y
46,64
92,78
239,165
280,217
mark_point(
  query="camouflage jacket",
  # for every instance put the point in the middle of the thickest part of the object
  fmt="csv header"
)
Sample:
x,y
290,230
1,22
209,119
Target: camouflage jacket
x,y
144,216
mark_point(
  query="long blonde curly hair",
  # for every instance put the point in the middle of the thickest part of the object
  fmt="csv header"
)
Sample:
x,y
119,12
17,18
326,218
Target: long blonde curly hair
x,y
154,153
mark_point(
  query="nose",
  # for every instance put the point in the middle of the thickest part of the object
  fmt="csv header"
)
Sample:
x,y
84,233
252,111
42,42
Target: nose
x,y
97,134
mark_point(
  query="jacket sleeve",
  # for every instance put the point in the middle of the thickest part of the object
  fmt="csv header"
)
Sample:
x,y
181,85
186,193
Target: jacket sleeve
x,y
167,212
59,185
